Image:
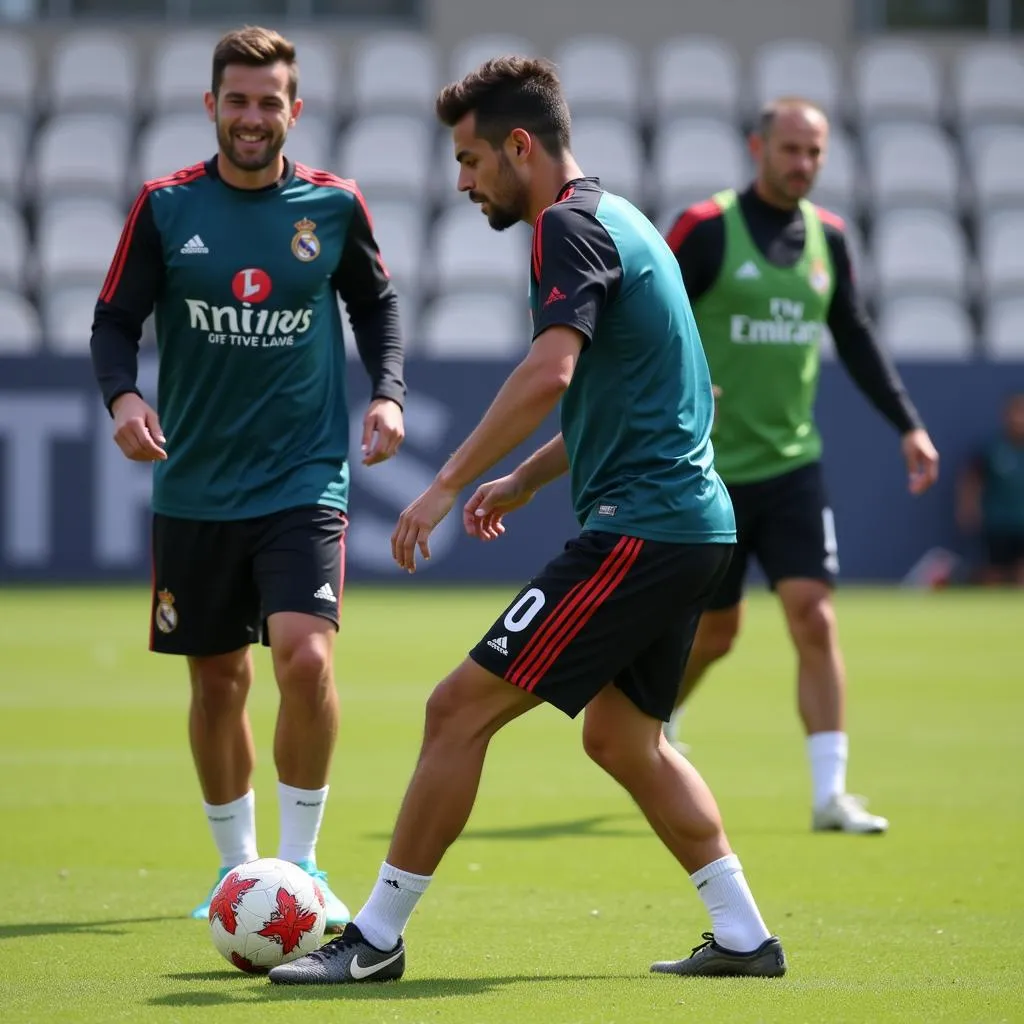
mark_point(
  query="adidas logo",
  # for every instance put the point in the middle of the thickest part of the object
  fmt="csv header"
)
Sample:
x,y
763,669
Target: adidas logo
x,y
195,246
555,295
326,593
748,272
500,644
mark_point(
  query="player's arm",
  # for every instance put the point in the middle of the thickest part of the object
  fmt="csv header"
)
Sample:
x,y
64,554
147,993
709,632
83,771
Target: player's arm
x,y
544,465
131,287
871,369
698,240
361,280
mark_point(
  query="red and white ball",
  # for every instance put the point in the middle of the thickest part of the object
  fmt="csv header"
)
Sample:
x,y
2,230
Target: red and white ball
x,y
265,913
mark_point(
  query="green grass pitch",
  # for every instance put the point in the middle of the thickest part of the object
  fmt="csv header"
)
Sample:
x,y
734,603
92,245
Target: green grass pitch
x,y
556,900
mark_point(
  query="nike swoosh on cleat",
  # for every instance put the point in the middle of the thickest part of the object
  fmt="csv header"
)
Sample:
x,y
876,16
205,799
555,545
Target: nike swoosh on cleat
x,y
359,971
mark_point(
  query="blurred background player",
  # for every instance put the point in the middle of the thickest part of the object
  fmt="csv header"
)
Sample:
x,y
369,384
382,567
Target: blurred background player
x,y
243,258
766,272
605,627
990,498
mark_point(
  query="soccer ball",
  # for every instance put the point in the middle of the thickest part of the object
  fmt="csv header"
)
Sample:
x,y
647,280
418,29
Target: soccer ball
x,y
265,913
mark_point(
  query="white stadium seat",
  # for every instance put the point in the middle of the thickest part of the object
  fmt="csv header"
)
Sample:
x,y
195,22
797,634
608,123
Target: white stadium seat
x,y
13,144
609,148
988,83
599,74
400,229
395,71
389,155
20,328
18,69
912,164
170,143
1001,253
928,328
82,154
182,71
795,67
696,76
68,315
14,250
1003,333
93,70
475,325
311,141
920,251
838,185
997,167
897,81
320,84
466,251
680,177
77,239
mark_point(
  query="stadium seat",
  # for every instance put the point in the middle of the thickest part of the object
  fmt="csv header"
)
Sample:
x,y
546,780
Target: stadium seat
x,y
1001,253
14,250
320,85
93,70
394,72
82,154
895,81
181,67
863,268
696,76
20,329
169,143
469,54
912,164
466,252
311,141
988,83
923,328
400,229
609,148
475,325
1003,330
18,68
996,157
920,251
797,67
389,156
68,315
599,74
838,185
679,179
13,144
76,242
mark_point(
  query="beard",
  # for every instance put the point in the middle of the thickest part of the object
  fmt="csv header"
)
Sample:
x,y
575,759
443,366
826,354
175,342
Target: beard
x,y
508,207
258,160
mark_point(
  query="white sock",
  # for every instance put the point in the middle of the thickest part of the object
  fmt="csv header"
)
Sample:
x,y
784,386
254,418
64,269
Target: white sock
x,y
735,919
234,829
386,913
302,811
828,753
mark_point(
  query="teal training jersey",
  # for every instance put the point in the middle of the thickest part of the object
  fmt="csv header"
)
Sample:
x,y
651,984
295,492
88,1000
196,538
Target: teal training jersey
x,y
245,287
637,415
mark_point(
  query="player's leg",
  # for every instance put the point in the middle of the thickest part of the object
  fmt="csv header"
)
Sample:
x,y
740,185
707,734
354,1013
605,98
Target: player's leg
x,y
205,608
799,552
298,564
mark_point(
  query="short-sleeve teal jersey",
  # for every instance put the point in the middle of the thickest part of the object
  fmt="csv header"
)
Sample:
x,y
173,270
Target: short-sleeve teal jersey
x,y
637,415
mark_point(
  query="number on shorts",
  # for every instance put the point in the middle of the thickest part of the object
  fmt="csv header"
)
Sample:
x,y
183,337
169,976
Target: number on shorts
x,y
523,612
828,522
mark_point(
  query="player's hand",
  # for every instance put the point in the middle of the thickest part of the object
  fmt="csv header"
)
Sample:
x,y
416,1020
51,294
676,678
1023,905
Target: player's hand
x,y
922,460
417,522
483,513
137,429
383,431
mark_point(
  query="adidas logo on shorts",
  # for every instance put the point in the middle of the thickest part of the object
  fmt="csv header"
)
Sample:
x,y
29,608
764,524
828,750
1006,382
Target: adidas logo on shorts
x,y
500,644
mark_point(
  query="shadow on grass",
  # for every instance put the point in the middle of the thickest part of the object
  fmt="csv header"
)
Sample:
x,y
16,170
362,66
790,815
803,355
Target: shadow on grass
x,y
426,988
35,928
593,826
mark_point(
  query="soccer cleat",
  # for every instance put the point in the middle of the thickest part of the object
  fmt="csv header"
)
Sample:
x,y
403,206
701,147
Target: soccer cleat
x,y
346,960
709,960
202,912
846,813
337,913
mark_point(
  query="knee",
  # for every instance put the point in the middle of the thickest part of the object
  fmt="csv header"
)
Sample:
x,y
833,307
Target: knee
x,y
814,624
220,684
716,641
606,747
303,666
457,712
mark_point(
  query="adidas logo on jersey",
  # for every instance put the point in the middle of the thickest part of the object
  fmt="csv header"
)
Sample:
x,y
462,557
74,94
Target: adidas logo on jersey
x,y
748,272
500,644
326,593
194,247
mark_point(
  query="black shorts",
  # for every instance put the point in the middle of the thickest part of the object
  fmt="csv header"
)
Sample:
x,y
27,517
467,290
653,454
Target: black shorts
x,y
216,582
787,525
1005,550
609,608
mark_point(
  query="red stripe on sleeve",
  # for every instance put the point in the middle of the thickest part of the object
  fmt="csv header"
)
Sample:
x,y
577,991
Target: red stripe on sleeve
x,y
536,251
833,220
689,220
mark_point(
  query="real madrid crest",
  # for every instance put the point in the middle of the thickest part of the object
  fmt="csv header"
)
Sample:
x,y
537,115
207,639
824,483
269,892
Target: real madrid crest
x,y
305,244
166,617
819,277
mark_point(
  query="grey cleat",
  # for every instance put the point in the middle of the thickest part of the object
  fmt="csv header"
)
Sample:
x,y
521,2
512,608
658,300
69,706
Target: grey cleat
x,y
346,960
709,960
848,813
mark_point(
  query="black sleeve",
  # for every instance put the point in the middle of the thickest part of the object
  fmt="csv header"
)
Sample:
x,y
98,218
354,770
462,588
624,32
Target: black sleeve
x,y
698,240
362,281
576,267
857,347
132,285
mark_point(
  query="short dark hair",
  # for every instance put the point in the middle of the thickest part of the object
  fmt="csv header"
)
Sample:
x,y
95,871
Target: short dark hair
x,y
255,47
775,107
507,93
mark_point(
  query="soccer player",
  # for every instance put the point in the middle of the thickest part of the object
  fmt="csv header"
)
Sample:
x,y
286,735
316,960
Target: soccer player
x,y
605,627
766,271
243,258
